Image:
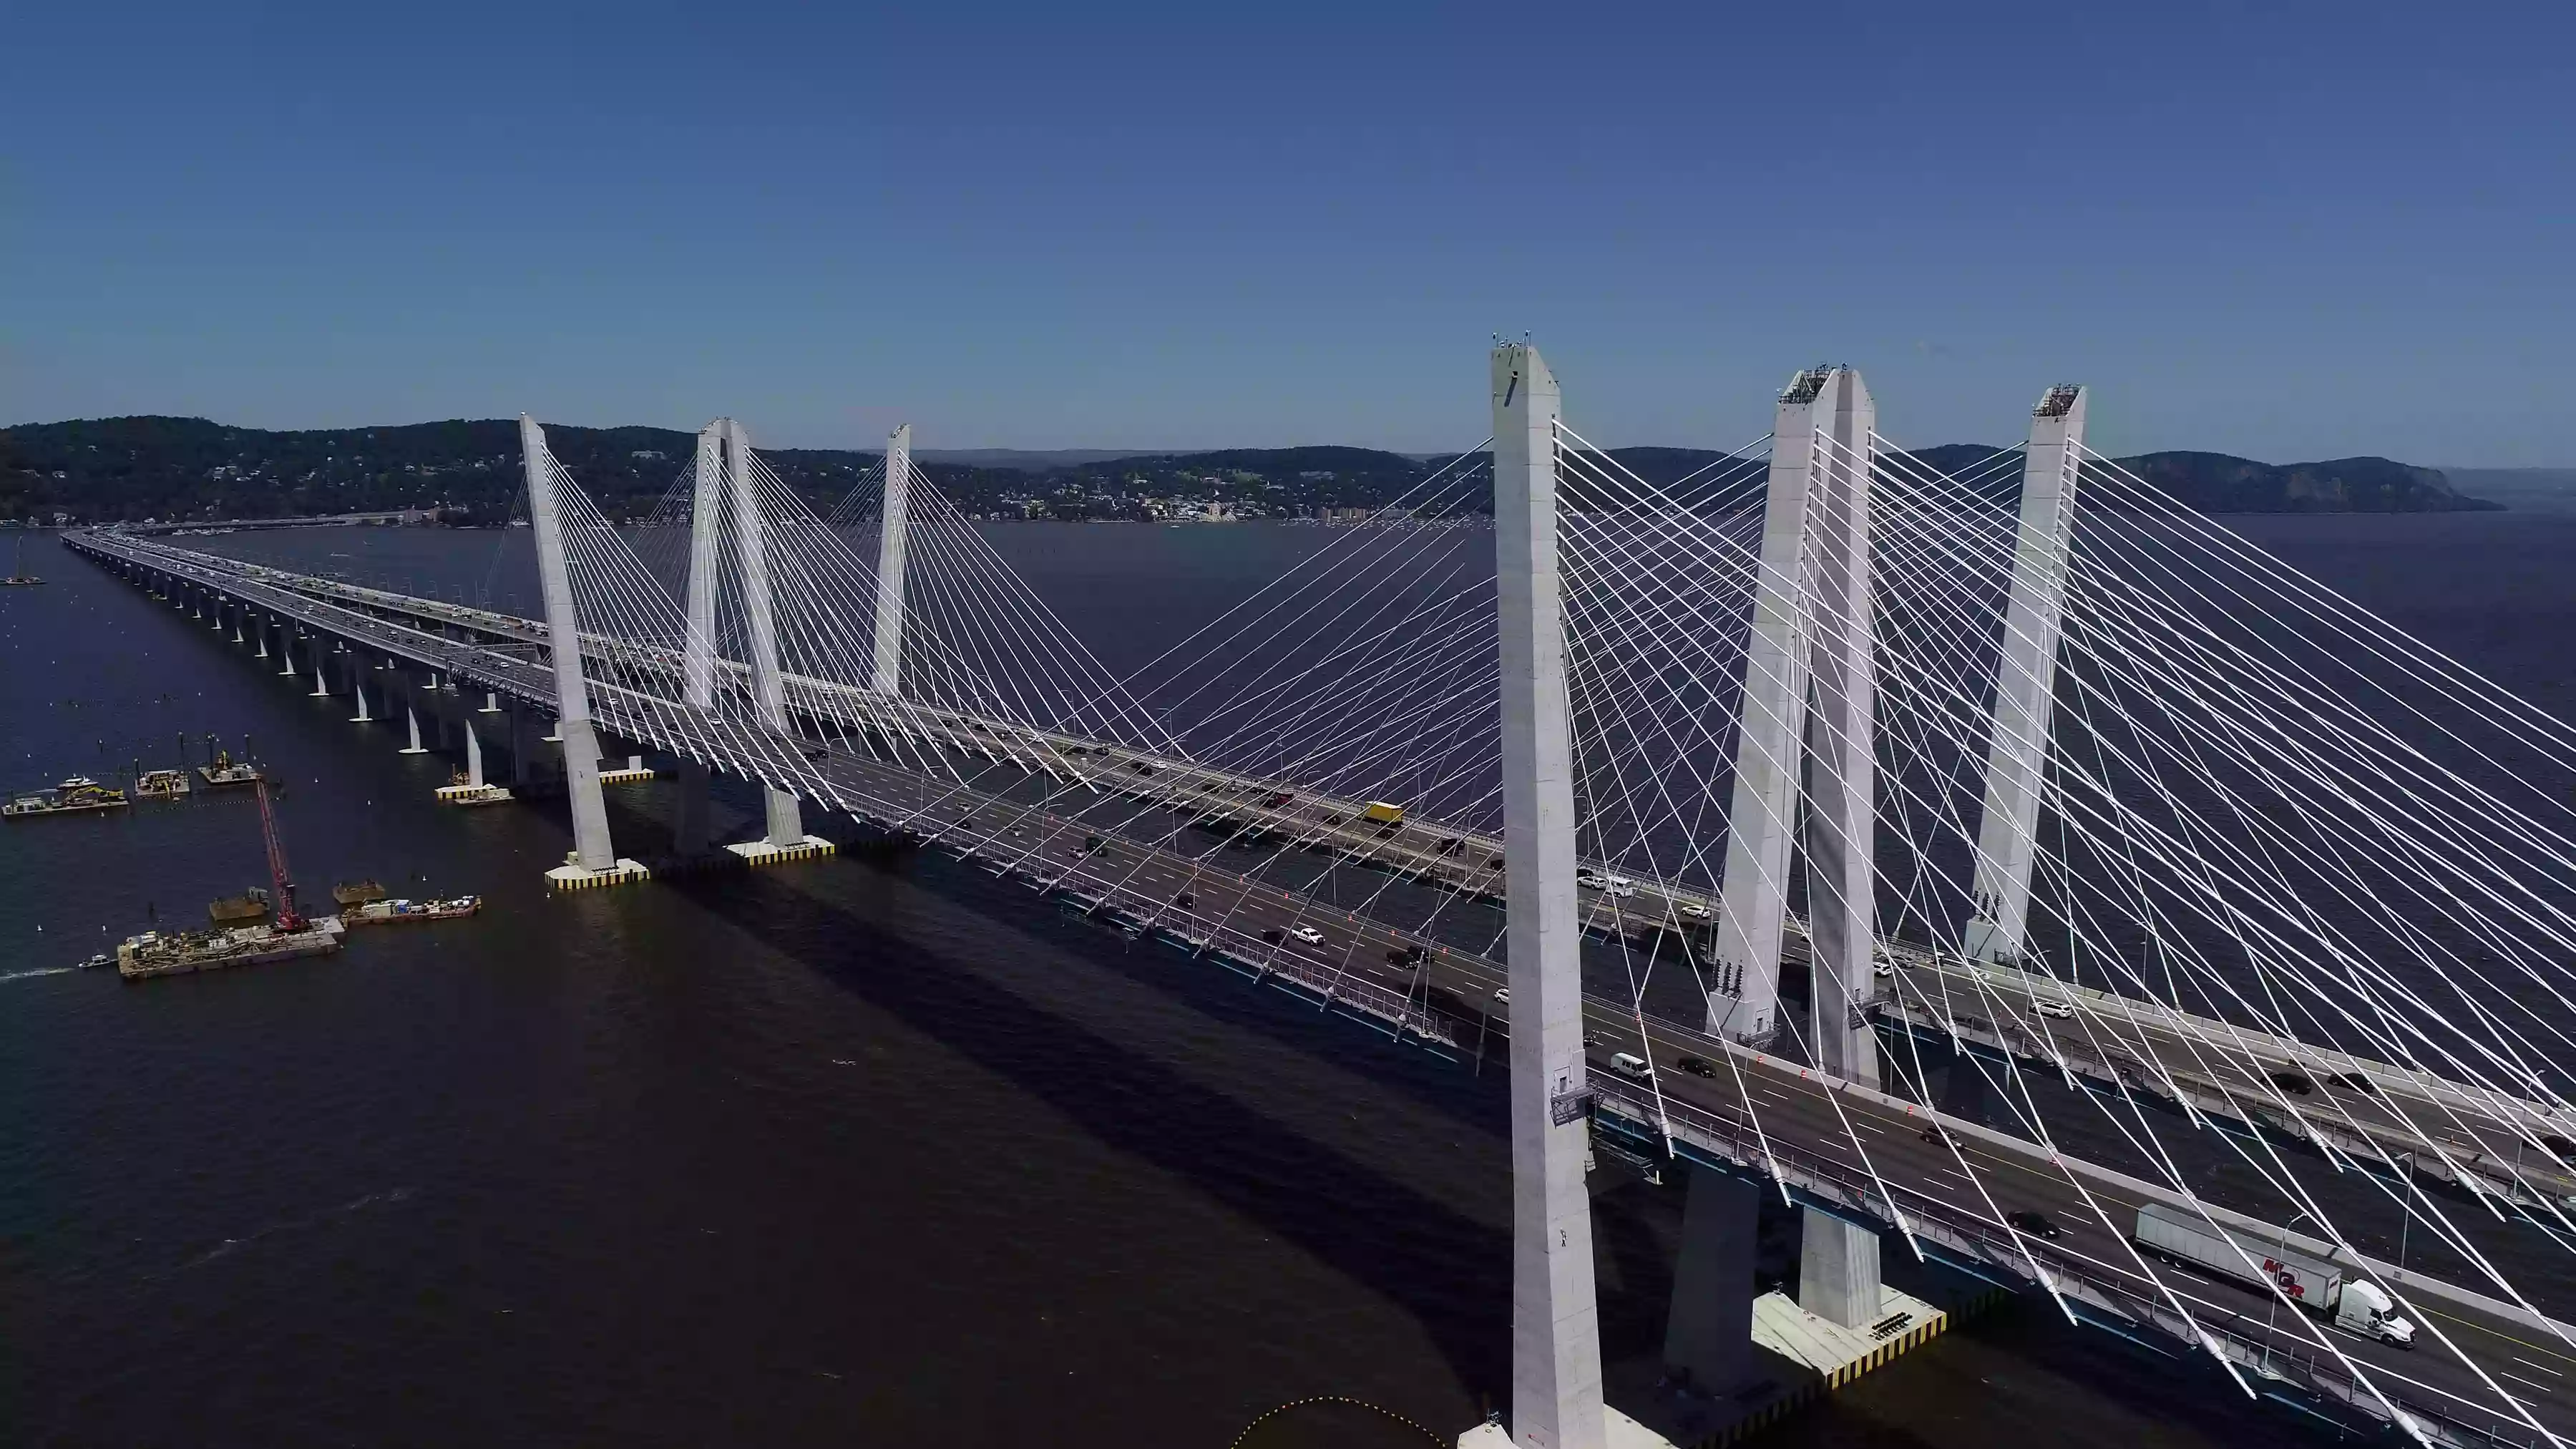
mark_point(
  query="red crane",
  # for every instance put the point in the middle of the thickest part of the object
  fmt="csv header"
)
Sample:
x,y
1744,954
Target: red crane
x,y
287,917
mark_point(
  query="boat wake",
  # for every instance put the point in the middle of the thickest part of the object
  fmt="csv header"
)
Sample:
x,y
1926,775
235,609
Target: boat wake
x,y
39,971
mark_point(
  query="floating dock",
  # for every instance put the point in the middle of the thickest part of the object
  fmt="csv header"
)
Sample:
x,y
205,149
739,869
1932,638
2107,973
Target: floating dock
x,y
472,794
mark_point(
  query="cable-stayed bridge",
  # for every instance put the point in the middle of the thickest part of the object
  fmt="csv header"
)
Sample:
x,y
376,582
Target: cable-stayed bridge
x,y
1794,819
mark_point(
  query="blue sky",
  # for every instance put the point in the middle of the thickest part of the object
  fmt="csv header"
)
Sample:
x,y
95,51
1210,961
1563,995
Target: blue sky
x,y
2308,233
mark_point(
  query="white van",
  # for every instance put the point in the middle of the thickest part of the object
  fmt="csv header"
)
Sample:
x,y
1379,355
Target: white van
x,y
1628,1065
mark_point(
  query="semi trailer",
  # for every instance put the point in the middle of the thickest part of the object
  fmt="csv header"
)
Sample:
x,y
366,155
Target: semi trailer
x,y
2178,1235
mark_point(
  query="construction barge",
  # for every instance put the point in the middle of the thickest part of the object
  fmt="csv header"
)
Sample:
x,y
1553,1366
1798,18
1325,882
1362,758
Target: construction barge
x,y
399,909
180,953
223,772
74,796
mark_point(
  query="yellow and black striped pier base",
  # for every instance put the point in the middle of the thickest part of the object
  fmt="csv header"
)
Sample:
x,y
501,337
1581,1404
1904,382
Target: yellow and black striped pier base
x,y
761,852
574,878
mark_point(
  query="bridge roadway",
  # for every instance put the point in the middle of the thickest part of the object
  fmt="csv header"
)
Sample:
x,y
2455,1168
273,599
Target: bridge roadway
x,y
2481,1141
1858,1151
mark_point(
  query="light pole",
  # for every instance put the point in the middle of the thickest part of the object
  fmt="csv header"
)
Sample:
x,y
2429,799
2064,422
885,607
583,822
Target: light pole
x,y
2272,1313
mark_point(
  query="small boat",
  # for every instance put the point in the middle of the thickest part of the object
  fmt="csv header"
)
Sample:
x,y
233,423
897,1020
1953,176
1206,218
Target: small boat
x,y
18,571
161,784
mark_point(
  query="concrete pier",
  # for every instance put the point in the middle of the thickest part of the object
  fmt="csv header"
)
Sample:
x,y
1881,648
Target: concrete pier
x,y
475,791
1838,1270
689,832
1708,1336
411,716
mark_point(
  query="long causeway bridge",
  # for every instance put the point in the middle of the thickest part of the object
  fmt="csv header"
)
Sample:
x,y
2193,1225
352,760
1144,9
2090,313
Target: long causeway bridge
x,y
1975,870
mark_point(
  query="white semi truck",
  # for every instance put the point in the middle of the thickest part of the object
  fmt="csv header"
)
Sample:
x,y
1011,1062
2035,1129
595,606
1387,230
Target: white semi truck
x,y
2178,1235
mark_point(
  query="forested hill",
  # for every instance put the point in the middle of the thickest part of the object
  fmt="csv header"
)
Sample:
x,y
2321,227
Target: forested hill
x,y
155,467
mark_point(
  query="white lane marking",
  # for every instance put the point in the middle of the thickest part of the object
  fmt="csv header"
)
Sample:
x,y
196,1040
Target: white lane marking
x,y
2544,1368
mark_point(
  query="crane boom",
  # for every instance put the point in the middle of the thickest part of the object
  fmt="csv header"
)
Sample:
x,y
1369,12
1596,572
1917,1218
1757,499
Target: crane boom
x,y
287,917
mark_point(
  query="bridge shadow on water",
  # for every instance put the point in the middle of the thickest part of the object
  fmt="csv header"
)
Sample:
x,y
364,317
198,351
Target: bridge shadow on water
x,y
1449,1269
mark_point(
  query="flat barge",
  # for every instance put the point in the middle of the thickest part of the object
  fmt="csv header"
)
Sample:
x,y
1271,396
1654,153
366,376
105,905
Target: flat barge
x,y
397,910
74,796
182,953
225,772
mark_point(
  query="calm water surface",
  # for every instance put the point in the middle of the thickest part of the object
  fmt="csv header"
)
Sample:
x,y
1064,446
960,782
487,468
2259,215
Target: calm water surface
x,y
863,1152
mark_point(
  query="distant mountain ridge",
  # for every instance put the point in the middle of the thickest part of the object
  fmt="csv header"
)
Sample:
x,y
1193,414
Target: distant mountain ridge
x,y
131,468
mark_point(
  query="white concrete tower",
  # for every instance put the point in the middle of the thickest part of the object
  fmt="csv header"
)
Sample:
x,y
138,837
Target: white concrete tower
x,y
1842,770
592,850
891,536
1807,699
1556,1337
706,529
2017,752
698,650
751,541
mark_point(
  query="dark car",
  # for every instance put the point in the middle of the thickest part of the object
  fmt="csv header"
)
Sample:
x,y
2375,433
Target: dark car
x,y
2035,1224
2355,1082
1185,900
1091,844
2294,1083
1696,1066
1453,846
2559,1147
1282,798
1935,1134
1407,956
1274,936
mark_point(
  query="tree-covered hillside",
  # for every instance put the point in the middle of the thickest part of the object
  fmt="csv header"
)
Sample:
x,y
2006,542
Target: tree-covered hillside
x,y
111,469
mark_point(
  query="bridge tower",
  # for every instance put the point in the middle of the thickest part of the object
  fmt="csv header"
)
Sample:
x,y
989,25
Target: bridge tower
x,y
2017,753
698,650
888,678
751,544
1806,711
1556,1341
593,856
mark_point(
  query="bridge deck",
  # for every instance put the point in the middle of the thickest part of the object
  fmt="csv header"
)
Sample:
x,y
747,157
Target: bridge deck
x,y
1839,1143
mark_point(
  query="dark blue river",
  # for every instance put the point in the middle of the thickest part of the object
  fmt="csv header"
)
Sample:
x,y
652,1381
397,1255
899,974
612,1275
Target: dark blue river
x,y
861,1152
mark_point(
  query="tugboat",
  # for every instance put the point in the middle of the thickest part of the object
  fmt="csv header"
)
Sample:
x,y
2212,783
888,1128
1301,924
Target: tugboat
x,y
71,797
